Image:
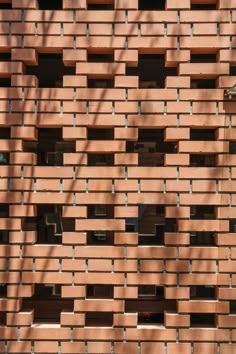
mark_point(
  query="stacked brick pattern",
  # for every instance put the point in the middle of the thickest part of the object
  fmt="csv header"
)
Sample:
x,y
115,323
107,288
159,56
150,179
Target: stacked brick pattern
x,y
126,187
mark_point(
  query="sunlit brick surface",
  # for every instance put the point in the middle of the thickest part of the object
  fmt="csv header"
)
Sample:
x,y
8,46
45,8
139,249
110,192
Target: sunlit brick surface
x,y
117,177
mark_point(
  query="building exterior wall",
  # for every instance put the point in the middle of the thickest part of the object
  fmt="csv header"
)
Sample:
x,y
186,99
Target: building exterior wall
x,y
117,214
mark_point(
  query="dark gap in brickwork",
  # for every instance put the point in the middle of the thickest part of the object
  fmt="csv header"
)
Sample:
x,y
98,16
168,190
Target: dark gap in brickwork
x,y
100,238
202,212
100,134
50,70
47,303
99,319
232,306
100,58
5,82
203,83
50,4
202,160
202,320
202,238
3,290
5,56
203,58
232,225
150,291
100,211
50,147
100,7
5,5
131,71
100,160
49,224
203,6
99,291
100,83
5,133
232,71
152,71
202,291
2,313
232,147
148,318
202,134
152,4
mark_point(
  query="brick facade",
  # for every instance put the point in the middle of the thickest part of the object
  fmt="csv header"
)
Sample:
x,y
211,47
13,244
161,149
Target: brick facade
x,y
117,177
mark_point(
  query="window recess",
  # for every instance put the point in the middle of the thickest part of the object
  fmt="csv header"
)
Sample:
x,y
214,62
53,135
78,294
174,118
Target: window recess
x,y
50,69
152,71
152,5
101,238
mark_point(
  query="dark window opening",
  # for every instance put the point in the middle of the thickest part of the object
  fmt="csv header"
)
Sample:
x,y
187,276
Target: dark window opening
x,y
202,238
130,227
5,56
232,225
50,4
100,58
99,291
100,7
232,147
203,58
50,69
203,6
202,134
150,291
49,224
152,71
47,303
203,83
100,238
202,160
202,291
2,314
152,305
202,212
152,5
100,134
232,306
148,318
151,159
4,158
4,210
5,133
202,319
50,147
99,319
100,159
3,290
232,71
100,83
5,82
131,71
100,211
4,237
4,213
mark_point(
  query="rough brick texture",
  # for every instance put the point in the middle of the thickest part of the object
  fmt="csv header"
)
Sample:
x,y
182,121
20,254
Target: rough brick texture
x,y
117,166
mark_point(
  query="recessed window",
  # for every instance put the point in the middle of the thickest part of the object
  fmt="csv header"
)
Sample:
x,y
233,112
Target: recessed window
x,y
203,83
101,238
150,291
50,69
100,83
50,147
100,134
202,238
203,160
100,159
47,303
50,4
99,291
152,5
203,6
100,58
152,71
99,319
202,134
203,58
202,320
202,291
202,212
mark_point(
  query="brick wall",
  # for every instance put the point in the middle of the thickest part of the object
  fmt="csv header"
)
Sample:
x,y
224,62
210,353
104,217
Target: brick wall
x,y
117,144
